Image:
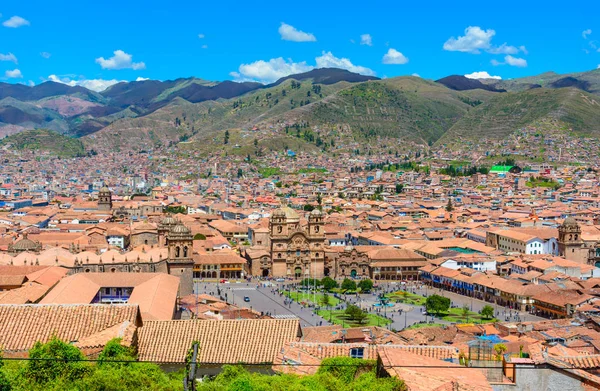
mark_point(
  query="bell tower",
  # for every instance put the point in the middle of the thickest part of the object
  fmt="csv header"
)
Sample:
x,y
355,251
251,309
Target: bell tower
x,y
180,263
105,199
316,224
278,224
570,244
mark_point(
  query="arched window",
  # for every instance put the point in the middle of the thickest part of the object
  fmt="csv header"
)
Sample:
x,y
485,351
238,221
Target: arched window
x,y
317,228
279,229
185,252
177,252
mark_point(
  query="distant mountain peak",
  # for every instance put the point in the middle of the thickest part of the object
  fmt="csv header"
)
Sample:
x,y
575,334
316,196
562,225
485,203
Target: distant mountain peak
x,y
327,76
462,83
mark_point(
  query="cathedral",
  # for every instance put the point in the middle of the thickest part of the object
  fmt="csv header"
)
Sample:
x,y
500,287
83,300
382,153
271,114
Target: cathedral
x,y
296,251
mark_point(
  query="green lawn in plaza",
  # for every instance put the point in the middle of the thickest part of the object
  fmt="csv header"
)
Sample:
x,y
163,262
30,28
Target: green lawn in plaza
x,y
406,298
306,297
455,315
340,317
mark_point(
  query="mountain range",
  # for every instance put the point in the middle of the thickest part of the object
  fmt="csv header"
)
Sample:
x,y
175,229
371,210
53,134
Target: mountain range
x,y
148,113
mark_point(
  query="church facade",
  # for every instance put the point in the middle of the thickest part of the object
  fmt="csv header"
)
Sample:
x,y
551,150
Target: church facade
x,y
296,251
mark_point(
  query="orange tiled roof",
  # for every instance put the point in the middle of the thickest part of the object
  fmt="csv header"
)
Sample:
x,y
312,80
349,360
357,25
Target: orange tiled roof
x,y
21,326
255,341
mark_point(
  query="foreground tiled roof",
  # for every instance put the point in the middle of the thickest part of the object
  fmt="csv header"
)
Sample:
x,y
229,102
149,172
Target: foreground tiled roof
x,y
253,341
21,326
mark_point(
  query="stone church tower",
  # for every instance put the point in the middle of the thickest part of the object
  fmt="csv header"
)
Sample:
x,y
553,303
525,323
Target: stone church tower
x,y
570,244
104,199
181,262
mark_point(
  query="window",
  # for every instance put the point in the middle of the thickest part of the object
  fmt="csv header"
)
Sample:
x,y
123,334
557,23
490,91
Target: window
x,y
357,352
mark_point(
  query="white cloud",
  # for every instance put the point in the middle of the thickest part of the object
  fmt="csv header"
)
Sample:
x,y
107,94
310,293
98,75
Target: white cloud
x,y
120,60
510,60
515,61
503,49
9,57
290,33
366,39
269,71
482,75
14,74
276,68
204,46
91,84
416,75
45,54
201,36
585,33
328,60
141,78
16,21
394,57
474,40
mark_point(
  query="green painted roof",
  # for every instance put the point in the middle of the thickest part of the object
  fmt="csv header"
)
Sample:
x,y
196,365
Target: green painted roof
x,y
501,168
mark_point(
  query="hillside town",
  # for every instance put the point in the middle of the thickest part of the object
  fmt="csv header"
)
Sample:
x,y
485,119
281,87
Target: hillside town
x,y
316,259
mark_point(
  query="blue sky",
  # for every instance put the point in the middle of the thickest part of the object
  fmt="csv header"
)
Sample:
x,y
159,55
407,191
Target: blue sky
x,y
95,43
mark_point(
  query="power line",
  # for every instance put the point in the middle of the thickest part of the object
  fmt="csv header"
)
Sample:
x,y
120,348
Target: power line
x,y
538,366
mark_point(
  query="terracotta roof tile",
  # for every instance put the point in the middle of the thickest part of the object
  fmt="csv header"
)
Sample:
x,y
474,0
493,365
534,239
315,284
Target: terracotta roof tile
x,y
254,341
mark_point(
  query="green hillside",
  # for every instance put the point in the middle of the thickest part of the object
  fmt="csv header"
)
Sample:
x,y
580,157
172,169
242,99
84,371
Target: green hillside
x,y
47,141
508,112
182,120
406,107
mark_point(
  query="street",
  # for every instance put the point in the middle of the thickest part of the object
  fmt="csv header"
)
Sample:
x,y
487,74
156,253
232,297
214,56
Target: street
x,y
267,297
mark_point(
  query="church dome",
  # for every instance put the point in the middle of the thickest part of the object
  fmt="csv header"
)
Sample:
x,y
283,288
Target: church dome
x,y
570,222
290,214
104,189
26,244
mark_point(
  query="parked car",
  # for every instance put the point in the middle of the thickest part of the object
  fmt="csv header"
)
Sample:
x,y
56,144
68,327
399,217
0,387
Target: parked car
x,y
280,279
246,299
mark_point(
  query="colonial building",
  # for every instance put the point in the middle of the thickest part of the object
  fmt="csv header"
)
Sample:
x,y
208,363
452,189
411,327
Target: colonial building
x,y
296,251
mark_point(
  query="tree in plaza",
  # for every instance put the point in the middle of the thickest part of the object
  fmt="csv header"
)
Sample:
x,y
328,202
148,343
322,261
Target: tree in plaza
x,y
365,285
356,314
348,285
329,283
437,304
487,311
449,206
326,300
404,295
465,311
